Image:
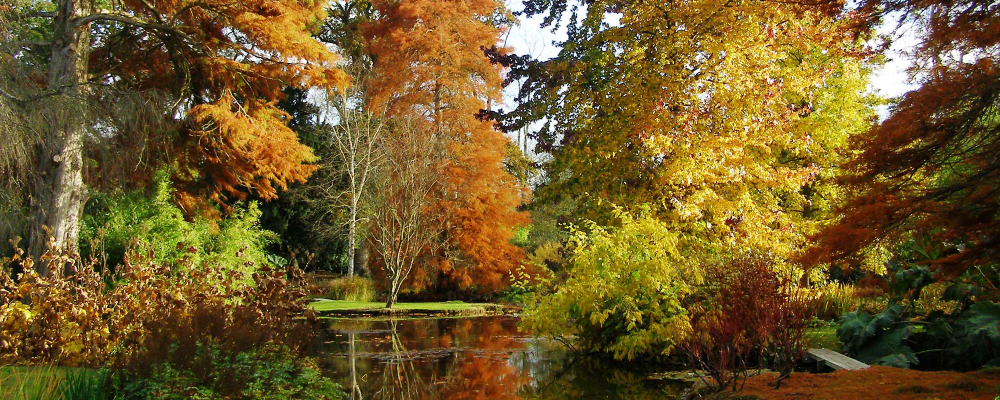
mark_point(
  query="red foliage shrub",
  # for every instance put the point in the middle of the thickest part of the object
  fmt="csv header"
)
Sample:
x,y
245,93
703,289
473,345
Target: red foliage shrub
x,y
744,317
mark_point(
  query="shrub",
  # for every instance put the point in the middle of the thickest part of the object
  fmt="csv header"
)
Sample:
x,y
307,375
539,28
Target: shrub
x,y
350,289
131,316
547,256
929,323
745,316
965,341
624,293
113,223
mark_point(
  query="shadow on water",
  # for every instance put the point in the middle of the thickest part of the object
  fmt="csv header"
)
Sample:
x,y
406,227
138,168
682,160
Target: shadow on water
x,y
468,358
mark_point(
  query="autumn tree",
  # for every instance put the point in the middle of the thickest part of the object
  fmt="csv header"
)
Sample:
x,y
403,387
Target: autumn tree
x,y
931,168
726,118
429,62
402,232
221,64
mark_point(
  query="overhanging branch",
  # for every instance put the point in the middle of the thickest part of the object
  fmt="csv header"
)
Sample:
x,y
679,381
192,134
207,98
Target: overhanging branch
x,y
125,19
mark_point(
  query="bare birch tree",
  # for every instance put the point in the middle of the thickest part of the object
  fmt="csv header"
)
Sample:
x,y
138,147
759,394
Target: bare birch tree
x,y
356,139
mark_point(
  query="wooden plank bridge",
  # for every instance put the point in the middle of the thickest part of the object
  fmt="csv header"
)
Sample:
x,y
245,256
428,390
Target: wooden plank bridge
x,y
833,359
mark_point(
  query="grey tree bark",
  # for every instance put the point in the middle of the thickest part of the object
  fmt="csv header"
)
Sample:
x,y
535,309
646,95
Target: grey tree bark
x,y
59,192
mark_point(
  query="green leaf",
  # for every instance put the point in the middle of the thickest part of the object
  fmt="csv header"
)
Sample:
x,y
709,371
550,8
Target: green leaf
x,y
960,291
888,348
979,332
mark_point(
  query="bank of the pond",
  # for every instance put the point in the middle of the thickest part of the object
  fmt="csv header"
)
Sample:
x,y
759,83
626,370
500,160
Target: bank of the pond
x,y
883,383
343,308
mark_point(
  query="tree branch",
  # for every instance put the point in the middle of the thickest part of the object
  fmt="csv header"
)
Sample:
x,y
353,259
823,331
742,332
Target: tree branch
x,y
125,19
33,14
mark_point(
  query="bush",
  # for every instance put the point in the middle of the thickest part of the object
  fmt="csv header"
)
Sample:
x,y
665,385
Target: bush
x,y
350,289
933,321
113,223
132,316
745,316
898,338
624,293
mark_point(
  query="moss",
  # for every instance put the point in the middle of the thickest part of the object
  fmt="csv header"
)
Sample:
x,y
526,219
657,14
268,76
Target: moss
x,y
913,389
883,383
965,385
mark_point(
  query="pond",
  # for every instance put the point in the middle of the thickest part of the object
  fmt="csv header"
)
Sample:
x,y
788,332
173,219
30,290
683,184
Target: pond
x,y
469,358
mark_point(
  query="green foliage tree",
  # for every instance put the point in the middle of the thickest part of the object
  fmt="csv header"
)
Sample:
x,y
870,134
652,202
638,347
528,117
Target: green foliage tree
x,y
625,290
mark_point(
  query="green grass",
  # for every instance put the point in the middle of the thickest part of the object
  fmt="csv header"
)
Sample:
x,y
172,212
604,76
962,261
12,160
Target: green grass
x,y
823,337
40,382
444,307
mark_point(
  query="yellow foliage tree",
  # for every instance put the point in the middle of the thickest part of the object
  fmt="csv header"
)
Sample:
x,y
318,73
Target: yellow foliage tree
x,y
728,118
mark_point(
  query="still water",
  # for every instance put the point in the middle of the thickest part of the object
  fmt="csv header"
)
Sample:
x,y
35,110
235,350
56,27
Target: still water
x,y
469,358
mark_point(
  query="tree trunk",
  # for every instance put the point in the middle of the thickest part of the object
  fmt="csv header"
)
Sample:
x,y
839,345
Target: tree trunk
x,y
351,233
361,258
393,292
59,190
392,299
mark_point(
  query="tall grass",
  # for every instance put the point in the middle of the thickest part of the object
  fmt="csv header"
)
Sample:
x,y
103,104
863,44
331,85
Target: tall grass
x,y
351,289
54,383
836,299
88,385
32,383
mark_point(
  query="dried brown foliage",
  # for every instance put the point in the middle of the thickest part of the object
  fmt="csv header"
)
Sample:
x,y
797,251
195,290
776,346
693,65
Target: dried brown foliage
x,y
144,313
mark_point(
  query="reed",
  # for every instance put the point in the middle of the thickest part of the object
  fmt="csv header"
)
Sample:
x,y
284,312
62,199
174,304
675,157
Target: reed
x,y
836,299
355,289
32,383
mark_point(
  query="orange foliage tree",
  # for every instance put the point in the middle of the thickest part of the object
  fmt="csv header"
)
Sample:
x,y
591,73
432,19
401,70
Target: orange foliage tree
x,y
931,168
222,64
429,63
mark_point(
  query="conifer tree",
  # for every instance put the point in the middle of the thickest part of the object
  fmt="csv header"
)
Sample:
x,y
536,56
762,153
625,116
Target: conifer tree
x,y
222,65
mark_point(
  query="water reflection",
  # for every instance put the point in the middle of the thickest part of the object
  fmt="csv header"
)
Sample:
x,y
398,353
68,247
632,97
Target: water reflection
x,y
468,359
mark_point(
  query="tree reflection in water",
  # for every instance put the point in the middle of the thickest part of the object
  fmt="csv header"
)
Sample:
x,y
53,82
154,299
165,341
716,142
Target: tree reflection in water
x,y
467,359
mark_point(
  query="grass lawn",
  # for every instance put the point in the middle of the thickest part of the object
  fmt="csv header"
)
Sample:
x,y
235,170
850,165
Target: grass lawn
x,y
824,337
447,307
